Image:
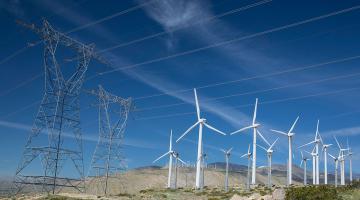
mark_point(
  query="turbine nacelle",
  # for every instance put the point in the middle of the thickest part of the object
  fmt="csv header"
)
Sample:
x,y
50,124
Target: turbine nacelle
x,y
202,120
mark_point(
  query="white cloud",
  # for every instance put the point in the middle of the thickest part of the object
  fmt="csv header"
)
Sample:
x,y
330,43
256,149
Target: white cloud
x,y
87,137
351,131
13,7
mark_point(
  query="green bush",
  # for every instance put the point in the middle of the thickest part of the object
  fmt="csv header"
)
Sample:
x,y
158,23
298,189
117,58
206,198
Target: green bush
x,y
312,193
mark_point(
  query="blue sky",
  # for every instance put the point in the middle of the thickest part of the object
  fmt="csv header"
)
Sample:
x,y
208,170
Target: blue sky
x,y
232,51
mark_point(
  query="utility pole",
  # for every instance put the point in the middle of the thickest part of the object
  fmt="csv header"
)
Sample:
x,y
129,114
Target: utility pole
x,y
58,117
113,116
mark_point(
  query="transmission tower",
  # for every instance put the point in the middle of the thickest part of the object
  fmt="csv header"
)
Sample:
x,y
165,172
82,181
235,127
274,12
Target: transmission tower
x,y
108,160
56,135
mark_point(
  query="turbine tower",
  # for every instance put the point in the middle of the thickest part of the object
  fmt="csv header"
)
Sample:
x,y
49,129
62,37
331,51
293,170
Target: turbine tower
x,y
313,154
269,153
203,165
325,150
304,160
201,122
317,140
171,155
58,117
253,126
350,153
107,159
342,162
177,159
248,155
290,135
336,160
227,156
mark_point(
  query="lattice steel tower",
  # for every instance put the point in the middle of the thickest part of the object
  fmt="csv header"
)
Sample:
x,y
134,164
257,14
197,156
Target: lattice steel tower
x,y
56,135
108,158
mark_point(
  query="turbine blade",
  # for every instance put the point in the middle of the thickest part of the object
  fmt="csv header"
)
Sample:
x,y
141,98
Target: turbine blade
x,y
242,129
214,129
302,155
197,104
293,126
161,156
301,162
317,129
281,132
331,156
170,146
249,149
181,161
243,155
223,150
262,137
187,131
255,111
273,143
228,151
307,152
306,144
337,142
261,147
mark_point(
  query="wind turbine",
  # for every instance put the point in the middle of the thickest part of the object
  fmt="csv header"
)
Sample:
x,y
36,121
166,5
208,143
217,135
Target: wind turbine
x,y
227,156
313,154
290,135
269,153
336,160
304,160
342,162
324,149
177,158
350,153
317,140
248,155
203,165
170,153
201,122
253,126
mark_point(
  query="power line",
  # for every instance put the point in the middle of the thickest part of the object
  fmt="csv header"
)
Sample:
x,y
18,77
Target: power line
x,y
16,53
264,102
219,44
109,17
241,80
254,92
255,77
77,29
127,67
233,11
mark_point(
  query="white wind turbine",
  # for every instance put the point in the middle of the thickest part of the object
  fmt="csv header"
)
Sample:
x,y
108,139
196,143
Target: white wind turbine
x,y
171,154
342,162
227,156
201,122
248,155
325,150
304,159
314,155
269,153
290,135
253,126
317,141
203,166
350,153
177,158
336,160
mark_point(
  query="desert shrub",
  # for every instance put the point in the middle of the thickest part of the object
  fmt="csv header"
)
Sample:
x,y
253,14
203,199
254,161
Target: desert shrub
x,y
146,191
312,193
125,195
